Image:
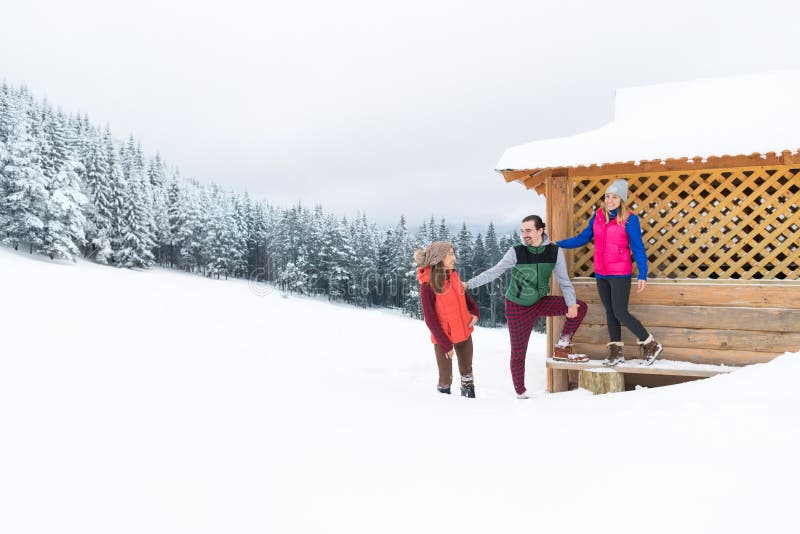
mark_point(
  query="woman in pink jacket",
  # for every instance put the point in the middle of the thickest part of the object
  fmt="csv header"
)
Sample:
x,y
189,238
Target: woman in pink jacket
x,y
616,233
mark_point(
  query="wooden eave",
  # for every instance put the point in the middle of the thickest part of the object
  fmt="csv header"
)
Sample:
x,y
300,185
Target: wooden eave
x,y
536,178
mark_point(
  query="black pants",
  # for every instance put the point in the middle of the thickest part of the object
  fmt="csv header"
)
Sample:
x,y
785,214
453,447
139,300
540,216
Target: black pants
x,y
615,293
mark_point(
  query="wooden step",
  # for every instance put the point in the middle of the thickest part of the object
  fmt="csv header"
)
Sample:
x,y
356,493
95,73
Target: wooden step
x,y
659,367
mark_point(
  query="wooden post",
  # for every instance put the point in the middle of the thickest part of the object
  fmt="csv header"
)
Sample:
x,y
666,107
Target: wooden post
x,y
558,196
560,380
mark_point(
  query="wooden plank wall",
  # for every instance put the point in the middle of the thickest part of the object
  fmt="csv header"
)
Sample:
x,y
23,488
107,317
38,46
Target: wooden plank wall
x,y
716,323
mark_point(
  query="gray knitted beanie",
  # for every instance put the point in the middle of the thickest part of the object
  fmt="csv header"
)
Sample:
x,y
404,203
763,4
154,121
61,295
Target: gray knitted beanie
x,y
619,188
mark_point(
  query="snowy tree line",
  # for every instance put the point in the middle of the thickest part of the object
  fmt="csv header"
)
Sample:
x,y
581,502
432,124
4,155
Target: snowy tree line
x,y
70,189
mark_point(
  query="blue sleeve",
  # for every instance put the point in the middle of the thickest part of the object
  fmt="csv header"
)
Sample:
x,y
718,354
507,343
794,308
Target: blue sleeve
x,y
634,231
582,238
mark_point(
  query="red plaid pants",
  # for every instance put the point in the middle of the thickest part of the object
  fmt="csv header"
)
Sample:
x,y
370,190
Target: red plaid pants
x,y
520,323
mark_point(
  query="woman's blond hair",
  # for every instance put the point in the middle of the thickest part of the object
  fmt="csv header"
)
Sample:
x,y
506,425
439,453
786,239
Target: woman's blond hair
x,y
622,212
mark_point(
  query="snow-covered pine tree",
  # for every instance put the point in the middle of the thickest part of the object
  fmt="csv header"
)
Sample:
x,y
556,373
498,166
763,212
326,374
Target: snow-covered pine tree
x,y
493,289
3,159
157,180
348,260
64,231
135,222
102,205
64,221
24,185
403,268
240,233
176,197
214,239
362,266
334,276
116,187
7,103
386,252
192,232
480,262
433,233
224,237
257,238
443,234
272,219
293,278
463,246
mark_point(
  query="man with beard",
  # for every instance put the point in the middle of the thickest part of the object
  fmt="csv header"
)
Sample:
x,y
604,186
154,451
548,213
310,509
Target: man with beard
x,y
532,263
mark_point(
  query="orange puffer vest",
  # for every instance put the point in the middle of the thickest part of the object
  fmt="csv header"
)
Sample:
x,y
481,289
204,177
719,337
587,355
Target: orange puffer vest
x,y
451,306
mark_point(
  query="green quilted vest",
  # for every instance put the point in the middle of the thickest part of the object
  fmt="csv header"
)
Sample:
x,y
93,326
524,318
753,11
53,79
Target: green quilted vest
x,y
530,277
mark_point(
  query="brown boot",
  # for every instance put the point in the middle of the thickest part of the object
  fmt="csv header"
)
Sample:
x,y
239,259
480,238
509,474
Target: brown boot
x,y
567,354
614,355
650,349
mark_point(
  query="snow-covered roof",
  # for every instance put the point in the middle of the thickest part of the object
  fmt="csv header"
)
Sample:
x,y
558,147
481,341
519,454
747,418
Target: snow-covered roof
x,y
713,117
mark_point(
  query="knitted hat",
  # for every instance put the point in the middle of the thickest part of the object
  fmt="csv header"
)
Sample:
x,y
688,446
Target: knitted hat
x,y
434,254
619,188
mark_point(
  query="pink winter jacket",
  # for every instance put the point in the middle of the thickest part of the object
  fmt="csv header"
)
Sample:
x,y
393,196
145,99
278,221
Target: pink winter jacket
x,y
612,254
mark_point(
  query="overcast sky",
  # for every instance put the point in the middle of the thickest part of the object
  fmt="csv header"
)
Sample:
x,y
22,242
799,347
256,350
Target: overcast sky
x,y
383,107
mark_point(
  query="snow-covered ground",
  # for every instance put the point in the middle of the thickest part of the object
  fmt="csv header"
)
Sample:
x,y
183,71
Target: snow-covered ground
x,y
159,402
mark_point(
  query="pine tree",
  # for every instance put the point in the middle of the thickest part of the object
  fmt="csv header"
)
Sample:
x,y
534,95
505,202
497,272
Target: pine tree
x,y
7,113
493,289
64,220
24,190
239,235
116,187
191,234
156,178
480,263
64,230
444,232
135,222
177,202
214,238
464,252
334,260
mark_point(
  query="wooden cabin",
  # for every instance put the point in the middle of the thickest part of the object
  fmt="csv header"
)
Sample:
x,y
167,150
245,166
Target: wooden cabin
x,y
721,231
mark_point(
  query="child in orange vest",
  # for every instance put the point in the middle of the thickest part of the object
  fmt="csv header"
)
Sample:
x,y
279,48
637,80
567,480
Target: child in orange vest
x,y
449,312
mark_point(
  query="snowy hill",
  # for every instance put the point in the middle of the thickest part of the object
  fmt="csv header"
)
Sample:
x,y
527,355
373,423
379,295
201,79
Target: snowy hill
x,y
159,402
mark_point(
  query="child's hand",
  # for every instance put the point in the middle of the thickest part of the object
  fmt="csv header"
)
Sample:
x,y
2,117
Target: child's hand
x,y
473,321
449,355
640,285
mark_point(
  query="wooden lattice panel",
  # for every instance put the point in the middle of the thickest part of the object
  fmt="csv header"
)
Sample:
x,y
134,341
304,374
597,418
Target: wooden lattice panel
x,y
739,223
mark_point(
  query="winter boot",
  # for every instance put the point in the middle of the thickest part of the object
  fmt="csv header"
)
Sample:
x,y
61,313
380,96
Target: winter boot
x,y
615,356
443,389
468,391
650,349
567,354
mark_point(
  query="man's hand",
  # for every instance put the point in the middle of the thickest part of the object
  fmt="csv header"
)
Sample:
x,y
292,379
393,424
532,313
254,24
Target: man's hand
x,y
473,321
640,285
449,354
572,311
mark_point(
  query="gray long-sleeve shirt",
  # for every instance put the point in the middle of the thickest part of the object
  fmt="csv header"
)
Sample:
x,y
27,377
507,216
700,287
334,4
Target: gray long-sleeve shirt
x,y
510,259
